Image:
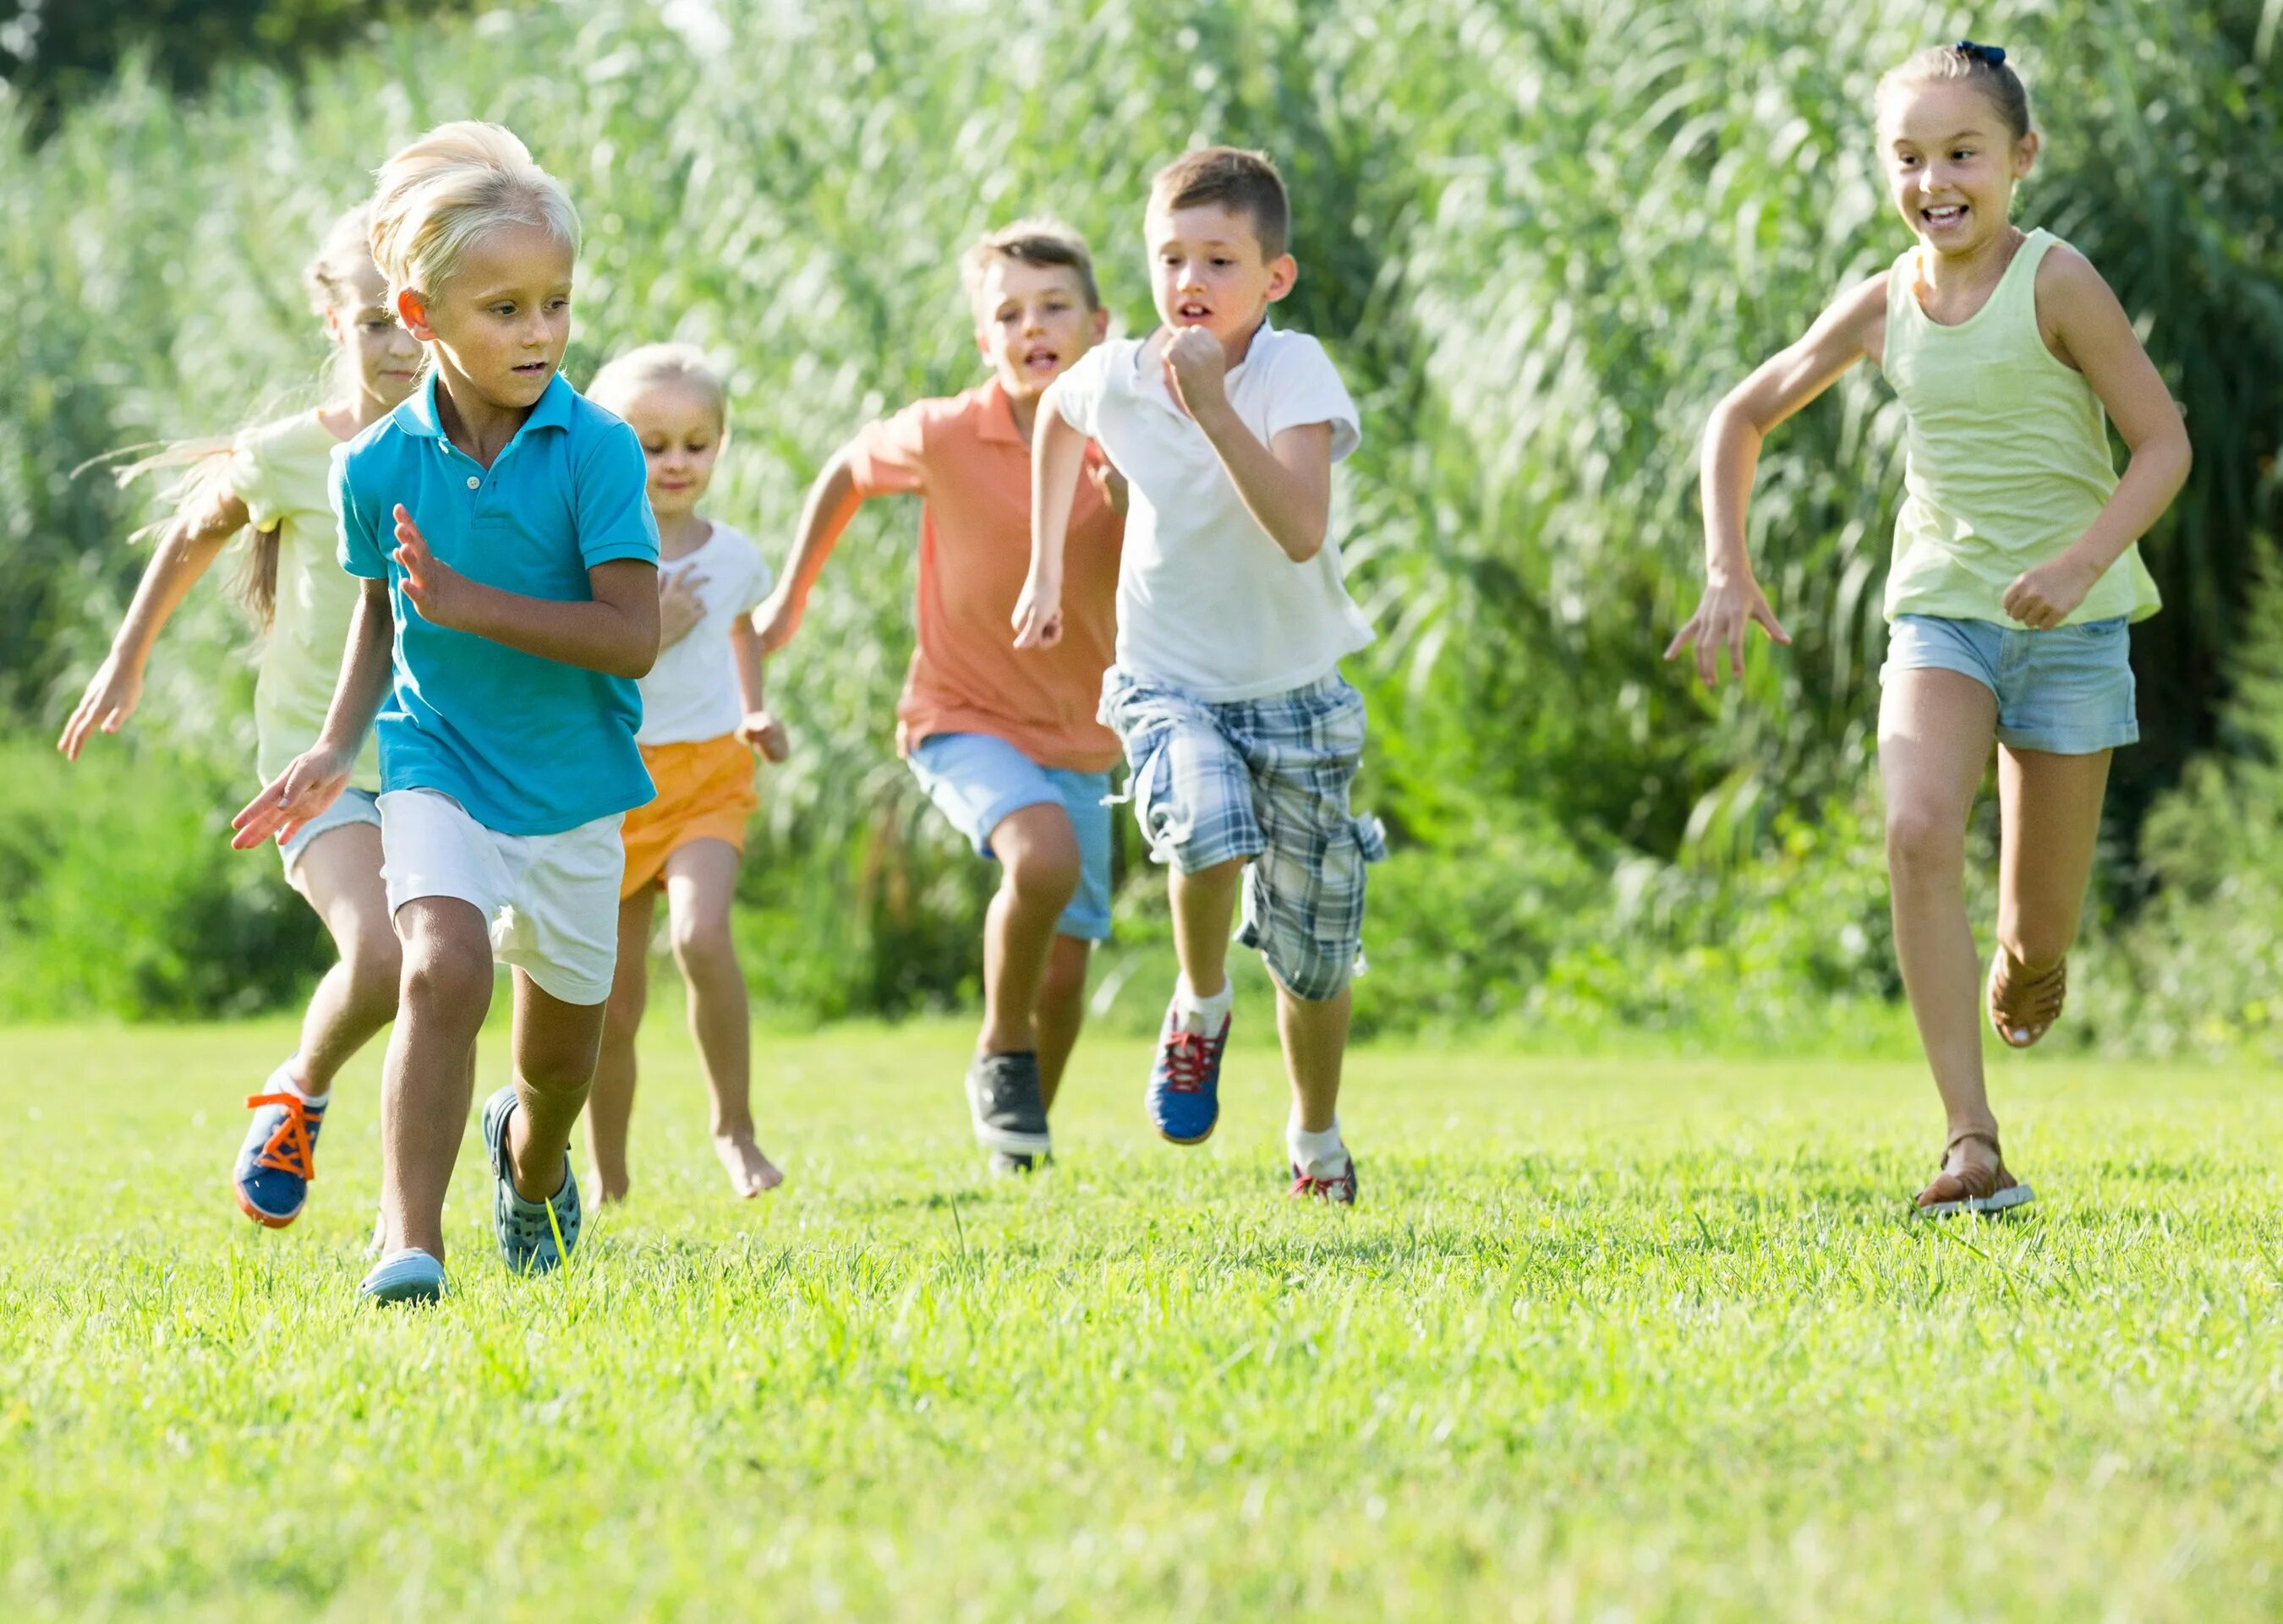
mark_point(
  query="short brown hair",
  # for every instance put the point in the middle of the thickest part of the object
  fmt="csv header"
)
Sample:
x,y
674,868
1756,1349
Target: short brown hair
x,y
1242,182
1031,242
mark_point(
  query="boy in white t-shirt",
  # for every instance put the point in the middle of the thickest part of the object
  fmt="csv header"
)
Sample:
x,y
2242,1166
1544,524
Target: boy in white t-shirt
x,y
704,716
1232,621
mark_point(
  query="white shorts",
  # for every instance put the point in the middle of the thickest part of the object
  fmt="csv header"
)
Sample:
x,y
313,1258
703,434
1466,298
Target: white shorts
x,y
551,900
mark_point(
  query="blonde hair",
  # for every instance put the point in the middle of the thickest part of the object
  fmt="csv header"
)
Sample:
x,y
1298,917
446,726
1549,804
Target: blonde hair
x,y
202,466
1031,242
435,198
623,377
1982,67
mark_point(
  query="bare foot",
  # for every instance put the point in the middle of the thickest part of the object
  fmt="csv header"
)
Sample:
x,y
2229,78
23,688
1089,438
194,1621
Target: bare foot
x,y
751,1173
608,1190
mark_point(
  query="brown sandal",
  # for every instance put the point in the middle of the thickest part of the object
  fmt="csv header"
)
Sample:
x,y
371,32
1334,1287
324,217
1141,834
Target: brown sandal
x,y
1972,1188
2022,1007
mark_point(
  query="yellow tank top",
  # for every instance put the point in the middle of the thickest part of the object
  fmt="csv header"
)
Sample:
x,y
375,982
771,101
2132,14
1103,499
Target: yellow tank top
x,y
2007,455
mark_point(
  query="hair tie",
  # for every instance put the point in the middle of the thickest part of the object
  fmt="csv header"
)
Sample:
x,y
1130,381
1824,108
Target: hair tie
x,y
1988,55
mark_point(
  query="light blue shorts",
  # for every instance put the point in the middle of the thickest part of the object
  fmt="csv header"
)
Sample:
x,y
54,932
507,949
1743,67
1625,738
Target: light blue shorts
x,y
2066,691
975,780
354,806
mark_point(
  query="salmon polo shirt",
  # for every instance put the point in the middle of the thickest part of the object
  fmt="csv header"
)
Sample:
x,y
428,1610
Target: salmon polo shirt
x,y
971,467
527,745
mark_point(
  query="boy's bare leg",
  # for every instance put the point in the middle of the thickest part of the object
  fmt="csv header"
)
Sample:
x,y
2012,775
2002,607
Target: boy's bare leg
x,y
429,1075
701,881
1935,730
1205,907
2049,809
338,873
610,1102
1315,1035
555,1046
1060,1011
1037,854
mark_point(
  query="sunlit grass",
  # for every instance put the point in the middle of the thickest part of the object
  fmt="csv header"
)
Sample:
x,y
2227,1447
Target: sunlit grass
x,y
1615,1337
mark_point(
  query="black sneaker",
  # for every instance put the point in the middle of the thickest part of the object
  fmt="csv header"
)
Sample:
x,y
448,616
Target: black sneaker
x,y
1002,1096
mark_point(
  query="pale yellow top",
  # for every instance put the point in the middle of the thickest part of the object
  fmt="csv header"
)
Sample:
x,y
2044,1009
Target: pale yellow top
x,y
2009,461
282,471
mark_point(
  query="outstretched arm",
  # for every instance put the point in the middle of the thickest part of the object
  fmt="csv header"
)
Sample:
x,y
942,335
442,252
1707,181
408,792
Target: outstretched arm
x,y
2078,306
615,631
1057,457
315,778
832,502
1842,336
188,546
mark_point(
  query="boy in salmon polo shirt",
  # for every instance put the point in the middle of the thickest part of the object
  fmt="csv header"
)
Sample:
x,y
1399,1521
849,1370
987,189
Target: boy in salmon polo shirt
x,y
1004,743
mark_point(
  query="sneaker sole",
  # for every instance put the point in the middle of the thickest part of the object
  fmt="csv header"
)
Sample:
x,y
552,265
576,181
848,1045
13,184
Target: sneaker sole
x,y
268,1220
1175,1138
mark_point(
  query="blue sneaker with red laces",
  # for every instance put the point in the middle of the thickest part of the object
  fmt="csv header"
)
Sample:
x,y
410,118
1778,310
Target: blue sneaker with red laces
x,y
1185,1082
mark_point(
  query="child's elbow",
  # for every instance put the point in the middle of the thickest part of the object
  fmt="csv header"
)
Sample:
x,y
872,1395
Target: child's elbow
x,y
1305,546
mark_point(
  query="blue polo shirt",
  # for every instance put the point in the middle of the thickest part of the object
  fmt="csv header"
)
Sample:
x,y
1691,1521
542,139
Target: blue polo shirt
x,y
528,746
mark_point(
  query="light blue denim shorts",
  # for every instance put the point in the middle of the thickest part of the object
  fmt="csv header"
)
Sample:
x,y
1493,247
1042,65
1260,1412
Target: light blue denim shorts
x,y
975,780
352,806
2066,691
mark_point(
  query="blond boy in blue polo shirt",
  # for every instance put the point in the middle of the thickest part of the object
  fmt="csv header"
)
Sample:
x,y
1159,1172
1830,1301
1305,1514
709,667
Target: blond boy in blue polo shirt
x,y
508,558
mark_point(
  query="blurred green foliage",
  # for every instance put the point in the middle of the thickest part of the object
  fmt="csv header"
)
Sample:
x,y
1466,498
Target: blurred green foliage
x,y
1540,240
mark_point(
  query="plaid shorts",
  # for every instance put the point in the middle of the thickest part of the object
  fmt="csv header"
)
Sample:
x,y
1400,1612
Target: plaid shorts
x,y
1265,780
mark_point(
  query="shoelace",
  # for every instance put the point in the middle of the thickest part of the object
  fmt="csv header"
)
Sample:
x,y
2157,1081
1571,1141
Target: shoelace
x,y
1187,1056
288,1149
1302,1185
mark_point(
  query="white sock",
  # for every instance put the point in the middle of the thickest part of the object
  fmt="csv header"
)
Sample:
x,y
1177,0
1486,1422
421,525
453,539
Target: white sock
x,y
1203,1014
282,1077
1319,1156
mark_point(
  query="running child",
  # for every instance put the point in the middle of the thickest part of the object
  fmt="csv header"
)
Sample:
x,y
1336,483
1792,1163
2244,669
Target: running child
x,y
1231,622
1005,745
509,606
2015,572
272,480
704,715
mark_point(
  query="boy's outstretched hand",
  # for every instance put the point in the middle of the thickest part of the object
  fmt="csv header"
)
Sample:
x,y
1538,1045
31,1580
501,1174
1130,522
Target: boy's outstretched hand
x,y
1038,616
437,590
1196,370
761,732
1729,606
311,782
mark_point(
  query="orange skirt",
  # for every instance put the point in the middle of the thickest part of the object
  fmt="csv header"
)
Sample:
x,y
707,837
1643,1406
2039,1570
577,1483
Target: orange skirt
x,y
704,792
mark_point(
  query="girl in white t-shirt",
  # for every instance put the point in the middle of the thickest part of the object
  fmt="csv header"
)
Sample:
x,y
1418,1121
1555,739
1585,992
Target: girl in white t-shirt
x,y
273,481
704,716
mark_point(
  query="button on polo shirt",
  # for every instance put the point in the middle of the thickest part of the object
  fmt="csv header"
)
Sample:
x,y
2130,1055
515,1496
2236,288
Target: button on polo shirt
x,y
527,745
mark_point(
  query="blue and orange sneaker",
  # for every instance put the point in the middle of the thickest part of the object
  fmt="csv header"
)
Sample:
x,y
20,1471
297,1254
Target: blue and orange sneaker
x,y
1185,1083
279,1155
1340,1189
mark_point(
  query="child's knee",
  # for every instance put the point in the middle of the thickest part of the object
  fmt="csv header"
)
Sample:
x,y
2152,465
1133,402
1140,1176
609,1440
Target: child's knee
x,y
1045,875
701,941
446,971
1921,839
375,965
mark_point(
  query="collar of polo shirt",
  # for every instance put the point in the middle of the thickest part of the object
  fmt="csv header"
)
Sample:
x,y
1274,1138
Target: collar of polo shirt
x,y
418,415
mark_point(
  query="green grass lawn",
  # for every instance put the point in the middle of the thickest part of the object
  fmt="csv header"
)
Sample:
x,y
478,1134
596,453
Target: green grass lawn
x,y
1607,1340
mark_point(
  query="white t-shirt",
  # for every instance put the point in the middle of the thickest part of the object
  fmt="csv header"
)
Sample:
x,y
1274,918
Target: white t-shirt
x,y
691,693
1207,602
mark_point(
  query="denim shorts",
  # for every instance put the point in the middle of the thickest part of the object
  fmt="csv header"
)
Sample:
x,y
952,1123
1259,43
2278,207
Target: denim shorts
x,y
2066,691
975,780
351,806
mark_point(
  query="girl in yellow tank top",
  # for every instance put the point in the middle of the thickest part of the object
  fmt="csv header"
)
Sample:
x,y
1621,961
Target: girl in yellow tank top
x,y
2015,570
